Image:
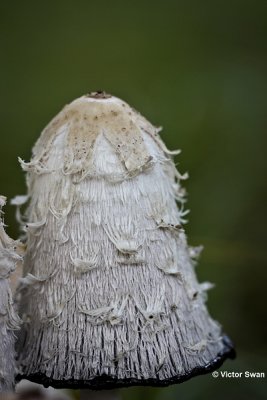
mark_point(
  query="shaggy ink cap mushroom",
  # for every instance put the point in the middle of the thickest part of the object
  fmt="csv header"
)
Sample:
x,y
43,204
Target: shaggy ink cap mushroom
x,y
109,287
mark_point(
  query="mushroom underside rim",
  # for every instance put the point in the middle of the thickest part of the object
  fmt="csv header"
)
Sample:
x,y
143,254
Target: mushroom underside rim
x,y
105,382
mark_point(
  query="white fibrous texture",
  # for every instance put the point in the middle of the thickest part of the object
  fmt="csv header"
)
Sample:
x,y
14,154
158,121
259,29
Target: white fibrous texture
x,y
109,286
9,320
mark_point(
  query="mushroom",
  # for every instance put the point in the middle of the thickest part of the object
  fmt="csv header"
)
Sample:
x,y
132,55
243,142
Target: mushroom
x,y
109,296
10,255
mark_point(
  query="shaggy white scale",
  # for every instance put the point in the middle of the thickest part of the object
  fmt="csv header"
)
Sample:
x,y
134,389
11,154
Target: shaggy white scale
x,y
9,321
109,295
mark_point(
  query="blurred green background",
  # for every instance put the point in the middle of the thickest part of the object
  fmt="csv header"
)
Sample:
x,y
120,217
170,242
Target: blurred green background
x,y
199,69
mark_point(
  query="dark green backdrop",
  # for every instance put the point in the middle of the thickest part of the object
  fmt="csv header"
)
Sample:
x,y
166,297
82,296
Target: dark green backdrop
x,y
198,68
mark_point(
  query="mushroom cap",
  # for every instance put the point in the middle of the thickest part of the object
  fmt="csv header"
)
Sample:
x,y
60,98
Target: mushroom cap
x,y
110,296
85,119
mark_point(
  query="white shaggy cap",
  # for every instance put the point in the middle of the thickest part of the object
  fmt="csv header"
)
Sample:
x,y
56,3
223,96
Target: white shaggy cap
x,y
9,321
77,128
109,295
